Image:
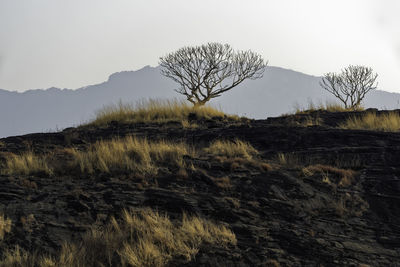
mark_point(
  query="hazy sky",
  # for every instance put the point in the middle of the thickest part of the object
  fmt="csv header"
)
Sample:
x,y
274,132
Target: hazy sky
x,y
73,43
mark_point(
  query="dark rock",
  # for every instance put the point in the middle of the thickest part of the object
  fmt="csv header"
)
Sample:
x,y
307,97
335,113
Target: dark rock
x,y
278,216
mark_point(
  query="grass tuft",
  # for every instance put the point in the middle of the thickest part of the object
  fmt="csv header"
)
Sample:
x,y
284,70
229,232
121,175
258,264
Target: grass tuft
x,y
18,258
26,164
232,149
389,122
328,106
155,111
142,238
5,226
130,154
289,159
346,177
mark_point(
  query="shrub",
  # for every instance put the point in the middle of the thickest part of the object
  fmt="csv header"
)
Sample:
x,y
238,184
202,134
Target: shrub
x,y
389,122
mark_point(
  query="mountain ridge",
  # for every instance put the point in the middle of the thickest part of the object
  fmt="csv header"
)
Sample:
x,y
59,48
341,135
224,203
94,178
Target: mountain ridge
x,y
118,73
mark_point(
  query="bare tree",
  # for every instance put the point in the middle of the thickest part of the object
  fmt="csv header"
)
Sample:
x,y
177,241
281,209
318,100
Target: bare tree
x,y
205,72
351,85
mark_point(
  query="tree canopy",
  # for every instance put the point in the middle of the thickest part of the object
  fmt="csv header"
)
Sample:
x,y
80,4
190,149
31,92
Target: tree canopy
x,y
205,72
351,85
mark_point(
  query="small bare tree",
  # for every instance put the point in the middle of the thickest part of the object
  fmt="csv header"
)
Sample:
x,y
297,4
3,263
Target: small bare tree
x,y
205,72
351,85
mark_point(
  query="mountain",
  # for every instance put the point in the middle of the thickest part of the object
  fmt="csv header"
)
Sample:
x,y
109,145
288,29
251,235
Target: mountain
x,y
276,93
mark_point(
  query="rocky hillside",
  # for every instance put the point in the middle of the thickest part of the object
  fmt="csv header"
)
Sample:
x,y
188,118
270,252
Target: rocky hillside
x,y
310,194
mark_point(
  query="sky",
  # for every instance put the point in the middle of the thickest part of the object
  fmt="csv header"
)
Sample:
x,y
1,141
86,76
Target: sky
x,y
74,43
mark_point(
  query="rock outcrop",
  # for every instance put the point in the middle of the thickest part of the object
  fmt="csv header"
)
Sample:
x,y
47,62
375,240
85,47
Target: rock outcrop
x,y
280,215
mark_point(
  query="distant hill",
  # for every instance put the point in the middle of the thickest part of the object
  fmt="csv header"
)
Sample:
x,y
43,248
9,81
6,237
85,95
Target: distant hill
x,y
276,93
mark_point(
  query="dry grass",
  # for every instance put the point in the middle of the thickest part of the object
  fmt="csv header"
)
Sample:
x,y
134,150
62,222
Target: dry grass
x,y
301,160
142,238
19,258
389,122
311,121
232,149
130,154
118,155
272,263
346,177
189,125
289,159
235,155
328,106
5,226
235,164
349,162
156,111
350,205
26,164
223,182
265,167
123,154
182,174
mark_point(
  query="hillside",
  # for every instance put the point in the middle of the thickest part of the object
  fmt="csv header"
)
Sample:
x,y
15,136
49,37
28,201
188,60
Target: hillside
x,y
276,93
292,192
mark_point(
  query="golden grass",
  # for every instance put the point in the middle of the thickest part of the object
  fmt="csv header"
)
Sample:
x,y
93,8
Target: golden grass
x,y
130,154
156,111
328,106
138,156
142,238
311,121
232,149
189,125
18,258
389,122
346,176
5,226
26,163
